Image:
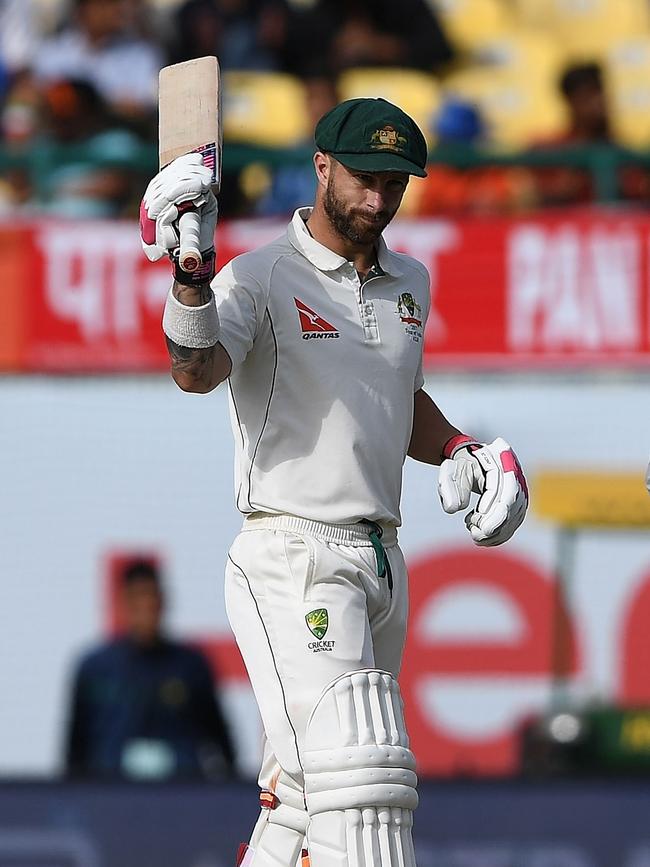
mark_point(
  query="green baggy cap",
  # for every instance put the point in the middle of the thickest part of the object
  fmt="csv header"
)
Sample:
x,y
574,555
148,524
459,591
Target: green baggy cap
x,y
372,135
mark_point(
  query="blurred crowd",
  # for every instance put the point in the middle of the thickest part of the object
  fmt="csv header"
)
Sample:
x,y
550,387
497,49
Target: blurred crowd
x,y
78,91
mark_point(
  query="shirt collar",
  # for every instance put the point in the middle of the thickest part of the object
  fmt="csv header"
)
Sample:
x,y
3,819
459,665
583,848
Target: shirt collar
x,y
388,261
325,259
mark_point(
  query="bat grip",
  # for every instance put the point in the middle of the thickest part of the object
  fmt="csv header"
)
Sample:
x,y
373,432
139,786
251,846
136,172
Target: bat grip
x,y
189,228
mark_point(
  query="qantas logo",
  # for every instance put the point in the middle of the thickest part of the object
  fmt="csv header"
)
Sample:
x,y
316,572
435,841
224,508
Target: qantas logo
x,y
312,325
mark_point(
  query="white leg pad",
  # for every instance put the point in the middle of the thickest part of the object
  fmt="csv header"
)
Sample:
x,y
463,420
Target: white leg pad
x,y
279,835
273,844
277,847
360,781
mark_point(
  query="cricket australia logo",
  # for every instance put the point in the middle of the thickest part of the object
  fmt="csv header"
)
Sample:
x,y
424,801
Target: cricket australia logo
x,y
387,139
410,313
312,325
317,622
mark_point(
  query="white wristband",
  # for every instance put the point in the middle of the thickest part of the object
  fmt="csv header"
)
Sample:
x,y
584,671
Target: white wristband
x,y
194,327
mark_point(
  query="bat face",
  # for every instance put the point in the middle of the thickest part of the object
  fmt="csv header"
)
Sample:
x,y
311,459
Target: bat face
x,y
189,112
189,121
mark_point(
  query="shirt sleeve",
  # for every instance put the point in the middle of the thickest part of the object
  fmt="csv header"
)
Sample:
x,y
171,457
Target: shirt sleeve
x,y
241,301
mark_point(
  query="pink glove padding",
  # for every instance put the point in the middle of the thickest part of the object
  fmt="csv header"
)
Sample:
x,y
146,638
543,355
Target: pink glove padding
x,y
493,472
184,182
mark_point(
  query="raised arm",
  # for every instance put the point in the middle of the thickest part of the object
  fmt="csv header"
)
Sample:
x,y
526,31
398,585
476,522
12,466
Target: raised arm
x,y
190,321
197,370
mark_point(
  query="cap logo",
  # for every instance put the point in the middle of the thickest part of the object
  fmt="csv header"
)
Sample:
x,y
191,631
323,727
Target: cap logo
x,y
387,138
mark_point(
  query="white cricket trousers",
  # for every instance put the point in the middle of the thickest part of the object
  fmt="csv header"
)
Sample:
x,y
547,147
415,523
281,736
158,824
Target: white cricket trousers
x,y
284,573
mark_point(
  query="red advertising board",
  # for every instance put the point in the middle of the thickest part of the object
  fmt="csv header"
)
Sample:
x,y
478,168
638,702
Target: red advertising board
x,y
564,288
512,672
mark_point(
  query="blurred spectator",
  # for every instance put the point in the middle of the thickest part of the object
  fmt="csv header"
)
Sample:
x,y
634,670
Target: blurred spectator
x,y
481,189
99,45
17,35
582,88
21,109
98,181
458,121
243,34
144,19
584,93
18,40
143,705
589,124
327,36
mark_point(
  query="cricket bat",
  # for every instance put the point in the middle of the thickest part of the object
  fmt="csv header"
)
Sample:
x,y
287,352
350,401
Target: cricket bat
x,y
189,120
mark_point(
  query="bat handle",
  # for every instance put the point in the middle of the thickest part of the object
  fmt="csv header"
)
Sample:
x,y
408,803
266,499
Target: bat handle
x,y
189,227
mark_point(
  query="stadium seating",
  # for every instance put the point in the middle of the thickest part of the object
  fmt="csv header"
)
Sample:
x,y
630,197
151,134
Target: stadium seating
x,y
586,27
470,22
514,82
627,64
418,93
267,109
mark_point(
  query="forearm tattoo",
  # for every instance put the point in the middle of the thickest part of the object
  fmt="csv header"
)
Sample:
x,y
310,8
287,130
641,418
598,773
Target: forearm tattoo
x,y
192,363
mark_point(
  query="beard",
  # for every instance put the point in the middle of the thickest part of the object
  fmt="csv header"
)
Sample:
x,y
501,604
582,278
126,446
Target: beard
x,y
356,227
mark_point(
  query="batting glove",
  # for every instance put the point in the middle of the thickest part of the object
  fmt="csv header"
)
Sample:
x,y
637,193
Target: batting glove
x,y
647,478
182,185
493,472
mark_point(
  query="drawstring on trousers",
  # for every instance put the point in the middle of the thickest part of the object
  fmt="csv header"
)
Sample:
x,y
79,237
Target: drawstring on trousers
x,y
383,564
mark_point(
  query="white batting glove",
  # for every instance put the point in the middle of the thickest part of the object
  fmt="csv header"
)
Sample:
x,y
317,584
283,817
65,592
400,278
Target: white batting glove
x,y
647,478
493,472
183,184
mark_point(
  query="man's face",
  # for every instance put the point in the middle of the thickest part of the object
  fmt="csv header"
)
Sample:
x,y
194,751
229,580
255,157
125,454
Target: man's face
x,y
589,107
142,609
103,18
361,204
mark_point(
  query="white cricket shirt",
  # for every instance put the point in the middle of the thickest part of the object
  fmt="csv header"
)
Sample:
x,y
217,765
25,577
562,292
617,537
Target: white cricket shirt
x,y
324,372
